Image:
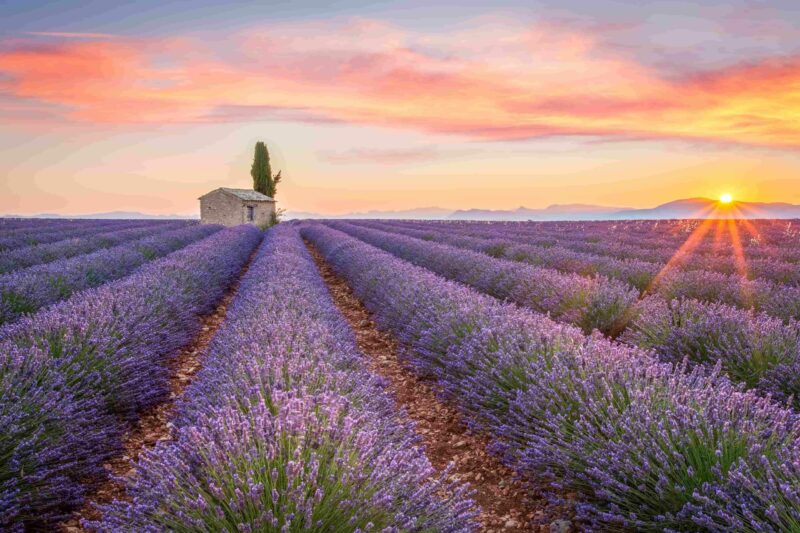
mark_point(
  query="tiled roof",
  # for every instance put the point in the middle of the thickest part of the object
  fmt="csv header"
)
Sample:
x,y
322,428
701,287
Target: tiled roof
x,y
248,194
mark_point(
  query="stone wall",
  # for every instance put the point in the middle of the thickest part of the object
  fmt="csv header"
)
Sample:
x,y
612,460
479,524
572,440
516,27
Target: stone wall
x,y
219,207
262,212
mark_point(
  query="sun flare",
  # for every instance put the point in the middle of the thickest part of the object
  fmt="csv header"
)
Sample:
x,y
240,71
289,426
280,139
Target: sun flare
x,y
726,198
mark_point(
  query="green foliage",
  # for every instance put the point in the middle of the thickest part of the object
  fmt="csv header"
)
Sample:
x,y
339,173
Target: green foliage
x,y
16,304
61,286
272,185
274,218
148,252
261,172
496,250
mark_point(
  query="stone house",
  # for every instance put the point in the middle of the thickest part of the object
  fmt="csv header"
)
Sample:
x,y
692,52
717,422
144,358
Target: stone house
x,y
231,207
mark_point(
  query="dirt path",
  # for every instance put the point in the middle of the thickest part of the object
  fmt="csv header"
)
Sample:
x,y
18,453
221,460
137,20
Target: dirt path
x,y
505,502
154,423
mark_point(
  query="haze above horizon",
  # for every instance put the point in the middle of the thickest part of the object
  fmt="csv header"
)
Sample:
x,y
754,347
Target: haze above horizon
x,y
145,106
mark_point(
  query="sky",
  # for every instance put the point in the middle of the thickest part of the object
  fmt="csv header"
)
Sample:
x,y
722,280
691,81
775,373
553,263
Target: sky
x,y
144,106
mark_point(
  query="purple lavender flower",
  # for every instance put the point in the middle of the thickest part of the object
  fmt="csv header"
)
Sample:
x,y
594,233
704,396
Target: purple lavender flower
x,y
48,231
71,374
754,348
591,303
284,429
28,290
647,445
44,253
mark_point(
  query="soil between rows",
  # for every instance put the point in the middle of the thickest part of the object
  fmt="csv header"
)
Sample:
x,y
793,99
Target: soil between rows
x,y
507,503
154,423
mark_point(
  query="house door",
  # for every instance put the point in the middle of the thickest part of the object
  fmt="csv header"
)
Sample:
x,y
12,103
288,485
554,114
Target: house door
x,y
250,213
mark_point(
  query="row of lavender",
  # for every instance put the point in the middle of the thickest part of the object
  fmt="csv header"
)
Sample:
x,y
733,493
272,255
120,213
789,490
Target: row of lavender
x,y
11,260
283,429
10,225
71,375
714,245
58,230
778,300
28,290
658,240
646,445
638,263
756,349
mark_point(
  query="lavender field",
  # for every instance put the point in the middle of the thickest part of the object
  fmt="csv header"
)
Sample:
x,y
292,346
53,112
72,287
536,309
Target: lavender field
x,y
364,375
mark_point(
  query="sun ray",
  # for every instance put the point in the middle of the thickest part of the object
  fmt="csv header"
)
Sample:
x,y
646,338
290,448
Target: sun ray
x,y
719,236
741,262
694,239
751,229
689,245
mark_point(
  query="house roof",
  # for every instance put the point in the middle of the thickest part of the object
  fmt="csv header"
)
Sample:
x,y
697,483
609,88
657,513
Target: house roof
x,y
244,194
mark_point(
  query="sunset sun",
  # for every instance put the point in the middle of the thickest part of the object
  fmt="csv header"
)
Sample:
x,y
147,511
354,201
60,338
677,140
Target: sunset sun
x,y
726,198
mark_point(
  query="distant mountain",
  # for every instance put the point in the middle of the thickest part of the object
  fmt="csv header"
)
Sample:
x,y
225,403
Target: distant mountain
x,y
111,215
707,208
421,213
552,212
580,208
687,208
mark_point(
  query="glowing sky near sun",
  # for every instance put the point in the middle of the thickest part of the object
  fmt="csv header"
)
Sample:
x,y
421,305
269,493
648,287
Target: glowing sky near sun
x,y
145,106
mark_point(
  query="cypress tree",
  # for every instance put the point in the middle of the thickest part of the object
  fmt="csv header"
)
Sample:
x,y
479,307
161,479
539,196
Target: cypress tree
x,y
273,185
261,171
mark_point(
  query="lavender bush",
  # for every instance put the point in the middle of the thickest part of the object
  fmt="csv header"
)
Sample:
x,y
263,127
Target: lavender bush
x,y
284,430
28,290
49,439
650,446
683,280
74,372
647,445
11,223
756,349
606,243
56,230
637,273
11,227
44,253
655,240
591,303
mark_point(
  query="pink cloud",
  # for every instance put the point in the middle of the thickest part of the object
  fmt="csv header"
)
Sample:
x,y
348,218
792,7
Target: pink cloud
x,y
492,80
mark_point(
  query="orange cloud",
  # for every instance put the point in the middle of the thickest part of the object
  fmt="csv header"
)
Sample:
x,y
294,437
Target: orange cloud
x,y
492,80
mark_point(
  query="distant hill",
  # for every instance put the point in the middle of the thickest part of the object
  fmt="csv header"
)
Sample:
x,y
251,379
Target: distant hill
x,y
707,208
553,212
421,213
686,208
